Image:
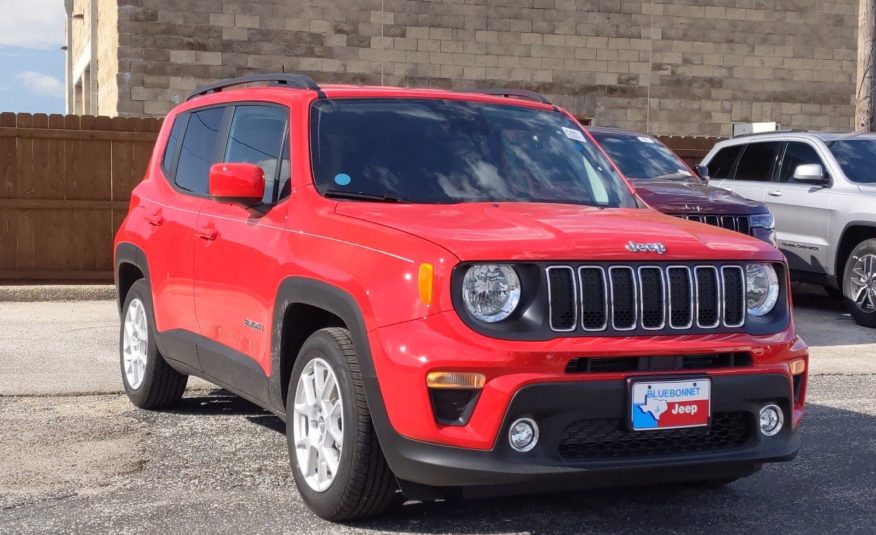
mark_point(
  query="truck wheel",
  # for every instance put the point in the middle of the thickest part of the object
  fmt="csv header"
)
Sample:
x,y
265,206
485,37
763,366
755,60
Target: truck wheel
x,y
859,283
336,459
149,381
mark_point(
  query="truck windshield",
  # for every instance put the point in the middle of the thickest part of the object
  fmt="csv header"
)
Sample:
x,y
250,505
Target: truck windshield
x,y
448,151
642,157
857,157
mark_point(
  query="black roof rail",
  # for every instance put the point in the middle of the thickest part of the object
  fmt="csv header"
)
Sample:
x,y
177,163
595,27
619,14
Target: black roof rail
x,y
508,92
785,131
298,81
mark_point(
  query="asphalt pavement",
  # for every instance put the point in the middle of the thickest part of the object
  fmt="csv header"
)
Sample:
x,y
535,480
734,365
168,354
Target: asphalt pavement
x,y
75,456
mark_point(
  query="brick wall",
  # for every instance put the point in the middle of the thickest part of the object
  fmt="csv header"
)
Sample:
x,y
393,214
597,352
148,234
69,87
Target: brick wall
x,y
669,66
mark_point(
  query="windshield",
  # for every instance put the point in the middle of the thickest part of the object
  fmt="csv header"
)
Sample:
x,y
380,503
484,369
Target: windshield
x,y
642,157
857,157
447,151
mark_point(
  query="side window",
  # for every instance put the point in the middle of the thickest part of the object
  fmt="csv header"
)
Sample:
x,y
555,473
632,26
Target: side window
x,y
199,150
757,160
722,164
797,154
173,143
257,136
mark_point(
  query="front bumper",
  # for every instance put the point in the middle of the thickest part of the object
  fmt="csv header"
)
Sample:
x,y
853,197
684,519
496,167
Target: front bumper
x,y
556,407
529,379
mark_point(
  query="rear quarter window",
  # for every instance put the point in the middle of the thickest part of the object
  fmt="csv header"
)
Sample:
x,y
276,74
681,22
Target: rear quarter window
x,y
172,143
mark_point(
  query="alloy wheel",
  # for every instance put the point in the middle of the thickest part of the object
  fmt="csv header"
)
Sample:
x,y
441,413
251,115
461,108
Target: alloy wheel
x,y
318,424
135,344
862,282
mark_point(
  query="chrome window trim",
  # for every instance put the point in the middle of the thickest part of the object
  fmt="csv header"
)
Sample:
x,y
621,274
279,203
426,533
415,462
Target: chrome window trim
x,y
718,290
605,298
744,313
642,299
635,322
692,292
574,299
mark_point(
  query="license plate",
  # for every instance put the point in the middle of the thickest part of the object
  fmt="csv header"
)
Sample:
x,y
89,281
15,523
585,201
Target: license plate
x,y
670,404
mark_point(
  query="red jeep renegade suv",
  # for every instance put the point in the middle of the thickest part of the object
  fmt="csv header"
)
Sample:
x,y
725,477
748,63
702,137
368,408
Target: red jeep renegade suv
x,y
447,292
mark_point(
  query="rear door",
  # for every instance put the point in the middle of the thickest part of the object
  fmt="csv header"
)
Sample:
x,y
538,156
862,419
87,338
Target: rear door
x,y
234,262
753,169
802,211
171,220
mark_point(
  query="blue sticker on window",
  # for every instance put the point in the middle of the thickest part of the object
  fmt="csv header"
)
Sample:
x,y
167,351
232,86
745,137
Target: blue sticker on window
x,y
342,179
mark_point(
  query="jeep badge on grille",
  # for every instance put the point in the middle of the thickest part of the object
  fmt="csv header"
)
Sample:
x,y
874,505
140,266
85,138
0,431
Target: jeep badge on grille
x,y
654,247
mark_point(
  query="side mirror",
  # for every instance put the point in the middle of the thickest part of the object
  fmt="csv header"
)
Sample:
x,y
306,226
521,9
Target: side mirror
x,y
703,172
239,183
810,173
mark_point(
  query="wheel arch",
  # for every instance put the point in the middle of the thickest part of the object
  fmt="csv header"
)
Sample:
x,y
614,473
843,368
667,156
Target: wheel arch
x,y
853,233
130,266
311,305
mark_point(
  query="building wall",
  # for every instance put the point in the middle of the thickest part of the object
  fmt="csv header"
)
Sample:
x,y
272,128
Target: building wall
x,y
666,66
107,57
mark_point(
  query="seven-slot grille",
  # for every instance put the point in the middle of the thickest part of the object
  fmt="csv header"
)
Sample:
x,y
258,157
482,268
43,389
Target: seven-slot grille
x,y
739,223
648,298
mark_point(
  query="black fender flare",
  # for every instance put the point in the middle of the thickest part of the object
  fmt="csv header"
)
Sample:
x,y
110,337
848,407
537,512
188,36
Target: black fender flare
x,y
307,291
128,253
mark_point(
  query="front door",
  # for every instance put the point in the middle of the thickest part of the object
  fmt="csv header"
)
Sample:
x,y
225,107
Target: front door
x,y
234,261
802,211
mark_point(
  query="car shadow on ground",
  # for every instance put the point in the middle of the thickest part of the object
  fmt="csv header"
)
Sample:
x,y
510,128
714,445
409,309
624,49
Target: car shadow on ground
x,y
221,402
823,321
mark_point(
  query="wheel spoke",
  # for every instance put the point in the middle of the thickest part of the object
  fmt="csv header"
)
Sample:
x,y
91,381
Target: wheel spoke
x,y
331,461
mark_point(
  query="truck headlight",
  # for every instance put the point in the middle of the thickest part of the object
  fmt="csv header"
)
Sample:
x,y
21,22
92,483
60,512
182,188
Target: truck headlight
x,y
491,292
766,221
762,288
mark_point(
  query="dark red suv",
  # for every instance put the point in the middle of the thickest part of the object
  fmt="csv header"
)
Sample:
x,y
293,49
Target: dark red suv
x,y
447,293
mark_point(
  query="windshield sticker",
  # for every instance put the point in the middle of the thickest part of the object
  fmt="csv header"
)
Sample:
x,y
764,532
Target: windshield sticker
x,y
573,134
644,139
342,179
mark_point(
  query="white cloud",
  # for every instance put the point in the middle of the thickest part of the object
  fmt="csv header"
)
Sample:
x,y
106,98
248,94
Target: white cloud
x,y
41,84
32,23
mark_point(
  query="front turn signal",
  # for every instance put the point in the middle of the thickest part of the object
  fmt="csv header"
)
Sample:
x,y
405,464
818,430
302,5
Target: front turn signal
x,y
798,366
455,380
425,282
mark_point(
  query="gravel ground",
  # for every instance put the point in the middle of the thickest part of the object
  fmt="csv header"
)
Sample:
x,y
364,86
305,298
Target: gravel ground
x,y
75,456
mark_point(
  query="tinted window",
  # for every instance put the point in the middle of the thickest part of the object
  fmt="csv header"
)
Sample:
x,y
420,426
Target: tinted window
x,y
442,151
857,157
256,136
172,143
797,154
642,157
756,162
199,150
722,164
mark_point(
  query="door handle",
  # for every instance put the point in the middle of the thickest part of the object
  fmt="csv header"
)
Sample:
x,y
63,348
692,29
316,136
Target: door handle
x,y
154,217
775,193
206,232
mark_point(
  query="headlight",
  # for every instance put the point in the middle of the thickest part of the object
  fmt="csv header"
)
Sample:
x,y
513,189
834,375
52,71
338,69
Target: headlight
x,y
762,288
766,221
491,291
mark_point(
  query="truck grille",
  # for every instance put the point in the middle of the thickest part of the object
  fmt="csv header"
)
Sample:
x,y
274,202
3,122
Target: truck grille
x,y
647,298
609,438
739,223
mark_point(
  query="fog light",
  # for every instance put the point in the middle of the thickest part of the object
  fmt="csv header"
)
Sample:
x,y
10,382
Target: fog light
x,y
523,435
771,420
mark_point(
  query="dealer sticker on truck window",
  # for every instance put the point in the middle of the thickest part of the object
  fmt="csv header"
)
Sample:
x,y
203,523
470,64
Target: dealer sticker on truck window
x,y
670,404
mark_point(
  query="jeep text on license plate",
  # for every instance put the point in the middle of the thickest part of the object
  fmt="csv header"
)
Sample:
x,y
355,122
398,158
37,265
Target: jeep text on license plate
x,y
670,404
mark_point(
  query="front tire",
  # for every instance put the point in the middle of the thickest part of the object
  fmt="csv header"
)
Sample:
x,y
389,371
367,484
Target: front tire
x,y
148,380
859,283
337,462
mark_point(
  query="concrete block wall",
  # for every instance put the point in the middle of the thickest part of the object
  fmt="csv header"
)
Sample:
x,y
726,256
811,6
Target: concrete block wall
x,y
684,67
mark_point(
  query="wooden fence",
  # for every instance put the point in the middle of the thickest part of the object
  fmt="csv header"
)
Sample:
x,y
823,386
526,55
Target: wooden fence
x,y
65,182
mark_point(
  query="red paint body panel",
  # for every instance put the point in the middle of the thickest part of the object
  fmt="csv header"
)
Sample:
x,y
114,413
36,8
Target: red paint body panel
x,y
214,265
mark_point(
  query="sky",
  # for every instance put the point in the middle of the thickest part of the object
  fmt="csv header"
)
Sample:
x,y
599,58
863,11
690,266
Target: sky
x,y
31,59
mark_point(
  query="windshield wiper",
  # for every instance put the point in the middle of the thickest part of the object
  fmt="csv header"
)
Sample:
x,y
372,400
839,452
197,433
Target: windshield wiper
x,y
355,195
672,176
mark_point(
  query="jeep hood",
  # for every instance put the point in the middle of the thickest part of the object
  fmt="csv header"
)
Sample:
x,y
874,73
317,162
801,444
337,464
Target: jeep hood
x,y
540,231
678,197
